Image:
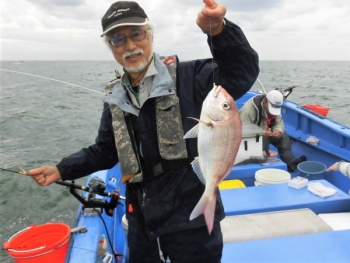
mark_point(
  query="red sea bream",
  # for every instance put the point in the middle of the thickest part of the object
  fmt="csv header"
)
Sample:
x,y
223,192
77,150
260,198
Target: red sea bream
x,y
219,133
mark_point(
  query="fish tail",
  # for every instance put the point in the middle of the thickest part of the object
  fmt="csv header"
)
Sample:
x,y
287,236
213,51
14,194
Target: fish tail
x,y
206,206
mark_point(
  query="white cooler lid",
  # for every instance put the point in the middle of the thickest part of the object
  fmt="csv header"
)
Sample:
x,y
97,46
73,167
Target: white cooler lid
x,y
337,221
251,130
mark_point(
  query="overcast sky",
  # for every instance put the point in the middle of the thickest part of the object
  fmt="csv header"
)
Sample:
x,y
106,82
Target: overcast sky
x,y
276,29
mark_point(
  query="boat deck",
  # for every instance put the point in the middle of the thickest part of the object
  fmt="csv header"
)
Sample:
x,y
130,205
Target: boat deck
x,y
280,197
321,247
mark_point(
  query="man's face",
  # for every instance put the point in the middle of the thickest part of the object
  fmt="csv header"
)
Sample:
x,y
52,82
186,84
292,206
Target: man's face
x,y
133,56
266,105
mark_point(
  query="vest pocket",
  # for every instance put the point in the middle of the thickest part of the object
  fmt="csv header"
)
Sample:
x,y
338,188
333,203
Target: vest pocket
x,y
170,131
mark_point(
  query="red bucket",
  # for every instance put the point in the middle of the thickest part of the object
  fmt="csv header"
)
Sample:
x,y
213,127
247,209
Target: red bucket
x,y
318,108
39,244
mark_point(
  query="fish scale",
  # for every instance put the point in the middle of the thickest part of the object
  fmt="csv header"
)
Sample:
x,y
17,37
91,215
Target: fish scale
x,y
217,147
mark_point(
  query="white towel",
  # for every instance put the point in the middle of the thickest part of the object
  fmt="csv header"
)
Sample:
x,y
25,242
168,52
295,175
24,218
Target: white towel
x,y
321,190
313,140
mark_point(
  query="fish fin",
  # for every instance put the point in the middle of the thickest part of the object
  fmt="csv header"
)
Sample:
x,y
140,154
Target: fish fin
x,y
209,214
193,133
200,207
197,169
207,123
205,206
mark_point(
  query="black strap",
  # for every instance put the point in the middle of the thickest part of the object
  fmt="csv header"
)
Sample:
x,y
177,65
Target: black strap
x,y
166,165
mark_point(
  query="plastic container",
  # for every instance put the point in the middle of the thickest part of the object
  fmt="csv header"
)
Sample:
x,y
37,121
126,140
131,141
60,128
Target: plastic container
x,y
271,176
125,229
298,182
125,224
229,184
39,244
318,108
312,169
101,249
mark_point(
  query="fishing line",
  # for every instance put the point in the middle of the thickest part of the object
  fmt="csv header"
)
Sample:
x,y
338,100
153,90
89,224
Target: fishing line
x,y
171,47
116,255
64,82
211,49
322,77
286,92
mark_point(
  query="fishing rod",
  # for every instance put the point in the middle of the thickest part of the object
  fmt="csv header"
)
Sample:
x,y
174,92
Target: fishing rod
x,y
96,186
79,187
286,92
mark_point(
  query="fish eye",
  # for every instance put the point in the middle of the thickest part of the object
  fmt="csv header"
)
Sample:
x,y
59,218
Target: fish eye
x,y
226,105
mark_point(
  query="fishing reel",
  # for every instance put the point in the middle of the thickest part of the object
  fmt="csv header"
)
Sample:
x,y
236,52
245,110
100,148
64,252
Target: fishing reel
x,y
95,187
286,92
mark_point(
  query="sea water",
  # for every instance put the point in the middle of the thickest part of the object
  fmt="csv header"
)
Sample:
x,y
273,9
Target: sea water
x,y
42,121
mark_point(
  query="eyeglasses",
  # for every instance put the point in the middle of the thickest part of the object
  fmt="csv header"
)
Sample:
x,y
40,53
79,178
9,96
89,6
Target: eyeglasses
x,y
274,105
135,36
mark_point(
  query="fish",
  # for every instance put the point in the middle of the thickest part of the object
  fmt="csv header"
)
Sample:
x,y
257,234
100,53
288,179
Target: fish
x,y
219,133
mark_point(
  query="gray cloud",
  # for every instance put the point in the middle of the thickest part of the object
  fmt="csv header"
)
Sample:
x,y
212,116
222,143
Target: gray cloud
x,y
70,29
48,4
237,5
251,5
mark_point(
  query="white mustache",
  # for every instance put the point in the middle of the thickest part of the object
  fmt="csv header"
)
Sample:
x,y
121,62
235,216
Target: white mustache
x,y
131,53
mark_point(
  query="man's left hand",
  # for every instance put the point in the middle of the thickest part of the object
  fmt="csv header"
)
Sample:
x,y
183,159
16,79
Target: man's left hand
x,y
211,18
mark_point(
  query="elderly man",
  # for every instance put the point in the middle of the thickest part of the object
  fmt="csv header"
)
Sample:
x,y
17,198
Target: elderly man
x,y
264,110
144,118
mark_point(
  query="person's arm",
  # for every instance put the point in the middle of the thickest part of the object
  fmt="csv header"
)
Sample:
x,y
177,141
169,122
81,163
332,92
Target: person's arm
x,y
278,126
238,63
342,166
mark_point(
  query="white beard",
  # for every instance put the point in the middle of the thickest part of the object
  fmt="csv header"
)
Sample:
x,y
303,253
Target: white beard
x,y
140,67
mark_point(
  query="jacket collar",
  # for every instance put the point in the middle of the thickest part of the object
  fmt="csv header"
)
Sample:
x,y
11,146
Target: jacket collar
x,y
161,85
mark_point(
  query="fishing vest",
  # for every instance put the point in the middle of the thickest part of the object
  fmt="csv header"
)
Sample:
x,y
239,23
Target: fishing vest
x,y
172,146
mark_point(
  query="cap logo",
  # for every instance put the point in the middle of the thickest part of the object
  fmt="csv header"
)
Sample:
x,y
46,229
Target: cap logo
x,y
277,104
118,12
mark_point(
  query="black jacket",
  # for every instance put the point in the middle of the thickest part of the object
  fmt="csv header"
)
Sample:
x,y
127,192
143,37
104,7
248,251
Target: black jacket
x,y
171,197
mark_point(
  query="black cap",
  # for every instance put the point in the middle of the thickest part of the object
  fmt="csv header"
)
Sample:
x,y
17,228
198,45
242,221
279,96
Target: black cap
x,y
123,13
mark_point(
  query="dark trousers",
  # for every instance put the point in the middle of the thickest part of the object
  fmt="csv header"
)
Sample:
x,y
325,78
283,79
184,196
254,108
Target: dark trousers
x,y
283,145
188,246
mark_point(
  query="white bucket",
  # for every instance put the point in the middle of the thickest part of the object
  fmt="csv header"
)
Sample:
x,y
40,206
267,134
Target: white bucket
x,y
271,176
